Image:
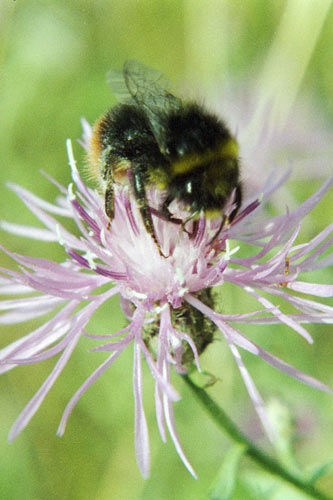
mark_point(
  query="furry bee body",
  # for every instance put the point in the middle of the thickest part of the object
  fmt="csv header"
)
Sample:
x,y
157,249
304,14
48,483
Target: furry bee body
x,y
154,138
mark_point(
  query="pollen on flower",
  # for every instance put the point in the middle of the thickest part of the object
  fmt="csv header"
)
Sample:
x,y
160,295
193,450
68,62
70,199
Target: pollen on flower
x,y
229,252
180,276
159,309
137,295
61,240
286,271
183,291
71,195
90,258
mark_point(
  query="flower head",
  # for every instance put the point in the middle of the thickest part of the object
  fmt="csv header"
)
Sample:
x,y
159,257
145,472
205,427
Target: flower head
x,y
167,299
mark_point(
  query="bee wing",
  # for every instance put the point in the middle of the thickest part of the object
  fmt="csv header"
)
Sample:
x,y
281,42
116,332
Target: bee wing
x,y
117,84
148,89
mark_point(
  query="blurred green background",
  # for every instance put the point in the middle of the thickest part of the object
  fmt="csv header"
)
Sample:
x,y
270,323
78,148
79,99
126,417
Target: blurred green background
x,y
54,57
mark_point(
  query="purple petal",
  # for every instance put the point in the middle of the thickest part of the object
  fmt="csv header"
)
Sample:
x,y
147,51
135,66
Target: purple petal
x,y
37,340
36,401
25,309
251,388
84,387
284,318
33,405
301,303
181,336
29,231
311,288
170,421
165,386
33,200
107,335
141,428
161,360
84,190
253,348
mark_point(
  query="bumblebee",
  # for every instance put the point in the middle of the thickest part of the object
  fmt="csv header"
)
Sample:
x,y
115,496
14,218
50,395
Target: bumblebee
x,y
152,137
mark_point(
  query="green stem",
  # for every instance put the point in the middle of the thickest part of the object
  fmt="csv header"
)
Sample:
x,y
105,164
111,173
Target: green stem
x,y
252,451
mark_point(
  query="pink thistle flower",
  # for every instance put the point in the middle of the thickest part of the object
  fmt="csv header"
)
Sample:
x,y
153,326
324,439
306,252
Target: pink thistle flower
x,y
167,300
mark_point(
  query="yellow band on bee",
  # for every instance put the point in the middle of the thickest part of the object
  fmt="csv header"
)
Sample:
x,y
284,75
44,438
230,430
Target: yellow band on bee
x,y
228,149
212,213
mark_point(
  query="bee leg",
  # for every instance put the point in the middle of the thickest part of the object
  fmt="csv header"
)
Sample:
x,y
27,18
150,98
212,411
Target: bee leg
x,y
166,214
195,224
221,226
109,201
194,229
237,202
138,183
226,220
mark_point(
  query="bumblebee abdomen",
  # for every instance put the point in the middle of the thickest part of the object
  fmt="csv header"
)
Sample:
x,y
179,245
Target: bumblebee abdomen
x,y
192,130
204,160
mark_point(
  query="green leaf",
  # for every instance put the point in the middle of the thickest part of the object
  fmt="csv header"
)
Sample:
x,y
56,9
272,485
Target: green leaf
x,y
225,482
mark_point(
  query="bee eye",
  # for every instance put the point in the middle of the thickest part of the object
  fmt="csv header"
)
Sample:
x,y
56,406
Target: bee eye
x,y
189,187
